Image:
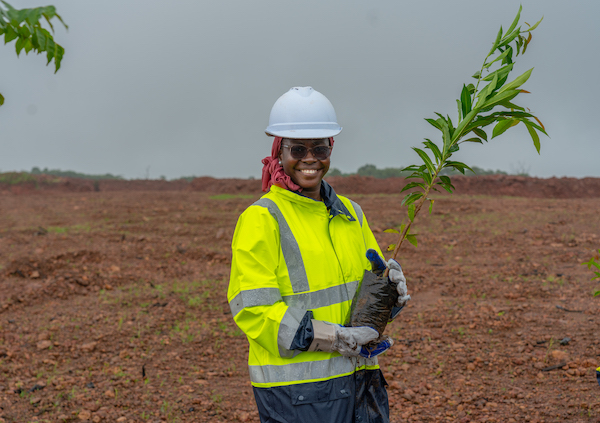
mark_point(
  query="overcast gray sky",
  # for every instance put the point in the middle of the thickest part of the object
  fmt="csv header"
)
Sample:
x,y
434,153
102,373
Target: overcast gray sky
x,y
185,87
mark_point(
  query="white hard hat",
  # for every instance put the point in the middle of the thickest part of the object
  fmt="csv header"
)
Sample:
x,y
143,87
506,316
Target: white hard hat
x,y
303,113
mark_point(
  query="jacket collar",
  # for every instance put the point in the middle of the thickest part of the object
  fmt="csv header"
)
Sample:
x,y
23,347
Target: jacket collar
x,y
330,199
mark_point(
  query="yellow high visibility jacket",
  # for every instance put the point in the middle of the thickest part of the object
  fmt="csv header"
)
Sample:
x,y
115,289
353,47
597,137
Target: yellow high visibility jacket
x,y
291,254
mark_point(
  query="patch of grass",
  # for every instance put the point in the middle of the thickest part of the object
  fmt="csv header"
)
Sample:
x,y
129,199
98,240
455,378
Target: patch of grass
x,y
14,178
58,229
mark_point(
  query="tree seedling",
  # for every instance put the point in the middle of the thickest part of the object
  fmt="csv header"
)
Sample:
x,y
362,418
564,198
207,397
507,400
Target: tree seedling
x,y
596,264
489,101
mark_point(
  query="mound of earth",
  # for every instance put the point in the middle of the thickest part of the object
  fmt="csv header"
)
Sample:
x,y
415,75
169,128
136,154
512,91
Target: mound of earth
x,y
493,185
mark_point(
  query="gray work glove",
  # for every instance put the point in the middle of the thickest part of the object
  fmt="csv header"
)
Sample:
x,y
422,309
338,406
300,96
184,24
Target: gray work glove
x,y
395,275
347,341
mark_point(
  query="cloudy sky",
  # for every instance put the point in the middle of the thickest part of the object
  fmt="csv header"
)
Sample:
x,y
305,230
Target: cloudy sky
x,y
185,87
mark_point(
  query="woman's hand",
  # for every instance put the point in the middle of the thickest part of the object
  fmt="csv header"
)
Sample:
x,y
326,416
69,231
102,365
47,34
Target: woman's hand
x,y
330,337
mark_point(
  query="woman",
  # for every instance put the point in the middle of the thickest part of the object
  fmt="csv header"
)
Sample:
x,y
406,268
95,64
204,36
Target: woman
x,y
298,259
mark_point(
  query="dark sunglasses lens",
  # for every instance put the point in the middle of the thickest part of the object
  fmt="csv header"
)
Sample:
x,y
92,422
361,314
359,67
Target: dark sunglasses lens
x,y
298,151
321,153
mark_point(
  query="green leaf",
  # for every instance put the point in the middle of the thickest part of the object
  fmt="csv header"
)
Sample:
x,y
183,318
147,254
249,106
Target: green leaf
x,y
500,57
496,43
431,205
499,97
502,127
412,197
446,180
391,247
465,101
434,123
534,26
425,159
58,55
413,185
597,293
477,75
412,239
513,25
480,133
520,80
458,166
433,147
10,34
503,71
411,212
445,186
1,99
411,168
391,231
19,45
534,136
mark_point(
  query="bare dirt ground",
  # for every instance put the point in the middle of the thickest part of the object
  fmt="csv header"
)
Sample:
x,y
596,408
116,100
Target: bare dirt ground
x,y
113,305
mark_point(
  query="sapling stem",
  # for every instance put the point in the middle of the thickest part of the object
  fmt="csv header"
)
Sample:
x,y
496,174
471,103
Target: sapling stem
x,y
473,105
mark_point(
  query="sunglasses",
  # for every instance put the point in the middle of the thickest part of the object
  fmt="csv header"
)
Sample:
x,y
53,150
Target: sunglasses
x,y
320,152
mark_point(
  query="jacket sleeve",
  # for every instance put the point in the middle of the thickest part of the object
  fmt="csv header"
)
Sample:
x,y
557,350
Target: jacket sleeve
x,y
370,241
254,294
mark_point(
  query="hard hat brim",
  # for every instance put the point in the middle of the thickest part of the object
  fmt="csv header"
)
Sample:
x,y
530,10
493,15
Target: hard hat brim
x,y
304,134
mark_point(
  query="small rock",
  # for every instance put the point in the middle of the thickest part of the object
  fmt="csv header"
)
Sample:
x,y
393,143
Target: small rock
x,y
518,361
42,345
121,419
560,355
36,400
114,268
396,385
471,366
84,415
109,393
565,341
89,347
35,274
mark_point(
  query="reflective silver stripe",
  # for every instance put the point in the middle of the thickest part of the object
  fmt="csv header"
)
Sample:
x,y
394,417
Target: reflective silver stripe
x,y
322,298
308,370
287,331
363,361
254,297
359,212
289,247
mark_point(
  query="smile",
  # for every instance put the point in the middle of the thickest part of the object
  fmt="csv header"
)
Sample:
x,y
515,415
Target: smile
x,y
308,171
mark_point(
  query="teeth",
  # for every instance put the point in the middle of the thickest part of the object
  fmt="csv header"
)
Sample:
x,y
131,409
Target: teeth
x,y
308,171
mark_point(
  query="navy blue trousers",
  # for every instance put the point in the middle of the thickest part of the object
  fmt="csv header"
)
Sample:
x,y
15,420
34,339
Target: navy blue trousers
x,y
358,398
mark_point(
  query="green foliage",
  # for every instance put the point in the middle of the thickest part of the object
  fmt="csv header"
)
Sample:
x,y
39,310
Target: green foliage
x,y
595,264
25,27
13,178
72,174
478,108
398,172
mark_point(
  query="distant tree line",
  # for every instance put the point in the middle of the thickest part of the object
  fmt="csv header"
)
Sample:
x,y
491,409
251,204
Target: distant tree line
x,y
72,174
366,170
393,172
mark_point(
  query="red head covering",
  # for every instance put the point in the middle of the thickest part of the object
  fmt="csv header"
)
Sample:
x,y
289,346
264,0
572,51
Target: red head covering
x,y
272,172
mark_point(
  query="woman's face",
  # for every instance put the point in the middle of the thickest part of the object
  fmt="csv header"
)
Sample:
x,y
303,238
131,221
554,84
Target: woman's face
x,y
308,171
